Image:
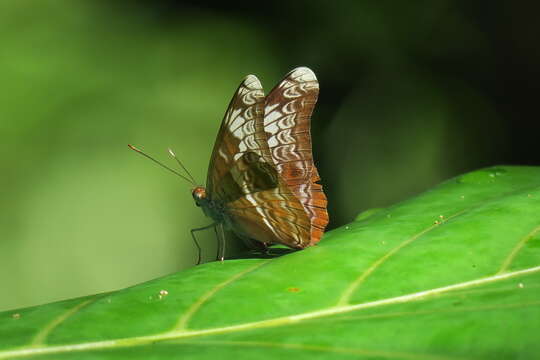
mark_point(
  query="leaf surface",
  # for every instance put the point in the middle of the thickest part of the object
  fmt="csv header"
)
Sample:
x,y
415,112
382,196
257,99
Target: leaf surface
x,y
453,273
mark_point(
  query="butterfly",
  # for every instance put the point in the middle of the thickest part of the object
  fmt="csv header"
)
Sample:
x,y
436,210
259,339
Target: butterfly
x,y
262,183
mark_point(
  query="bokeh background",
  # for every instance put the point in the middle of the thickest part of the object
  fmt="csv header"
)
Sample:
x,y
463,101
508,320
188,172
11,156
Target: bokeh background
x,y
412,93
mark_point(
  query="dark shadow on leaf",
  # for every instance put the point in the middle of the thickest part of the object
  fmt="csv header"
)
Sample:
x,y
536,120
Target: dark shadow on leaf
x,y
272,252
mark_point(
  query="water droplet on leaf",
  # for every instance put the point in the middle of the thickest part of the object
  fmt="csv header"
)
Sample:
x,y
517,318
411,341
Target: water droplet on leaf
x,y
484,176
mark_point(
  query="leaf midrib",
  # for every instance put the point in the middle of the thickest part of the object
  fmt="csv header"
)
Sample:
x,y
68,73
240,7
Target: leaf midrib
x,y
182,334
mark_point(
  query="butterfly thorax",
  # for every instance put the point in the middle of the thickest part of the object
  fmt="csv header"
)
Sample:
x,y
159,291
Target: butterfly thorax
x,y
211,208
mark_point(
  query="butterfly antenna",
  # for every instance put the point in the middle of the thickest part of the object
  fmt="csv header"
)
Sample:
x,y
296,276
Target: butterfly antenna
x,y
159,163
183,167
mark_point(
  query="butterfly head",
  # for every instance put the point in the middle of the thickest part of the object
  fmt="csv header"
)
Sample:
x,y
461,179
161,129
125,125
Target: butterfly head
x,y
199,195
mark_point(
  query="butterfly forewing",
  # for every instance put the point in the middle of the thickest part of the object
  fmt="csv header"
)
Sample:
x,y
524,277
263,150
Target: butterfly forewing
x,y
288,109
229,173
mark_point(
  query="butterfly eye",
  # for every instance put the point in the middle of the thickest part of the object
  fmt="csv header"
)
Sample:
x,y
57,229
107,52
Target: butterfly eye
x,y
199,193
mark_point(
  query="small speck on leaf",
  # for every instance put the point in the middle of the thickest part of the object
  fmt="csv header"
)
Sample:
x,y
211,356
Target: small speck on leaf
x,y
293,289
16,316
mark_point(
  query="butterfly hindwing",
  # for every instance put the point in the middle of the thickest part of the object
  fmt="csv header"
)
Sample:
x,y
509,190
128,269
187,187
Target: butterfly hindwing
x,y
274,215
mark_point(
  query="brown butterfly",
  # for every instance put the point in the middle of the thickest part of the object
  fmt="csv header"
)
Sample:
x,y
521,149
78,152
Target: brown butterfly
x,y
262,182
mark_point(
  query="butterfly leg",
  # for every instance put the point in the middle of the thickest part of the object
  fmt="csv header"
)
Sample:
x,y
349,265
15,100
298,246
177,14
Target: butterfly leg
x,y
195,239
265,248
221,241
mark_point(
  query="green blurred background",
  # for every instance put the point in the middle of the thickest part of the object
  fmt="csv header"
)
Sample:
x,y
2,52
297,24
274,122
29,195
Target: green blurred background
x,y
412,93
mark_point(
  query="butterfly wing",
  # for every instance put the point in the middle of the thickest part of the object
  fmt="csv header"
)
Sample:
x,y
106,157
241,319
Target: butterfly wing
x,y
243,178
237,138
287,115
272,216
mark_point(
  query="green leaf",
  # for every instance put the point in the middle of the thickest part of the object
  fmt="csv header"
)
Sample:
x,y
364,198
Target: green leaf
x,y
452,273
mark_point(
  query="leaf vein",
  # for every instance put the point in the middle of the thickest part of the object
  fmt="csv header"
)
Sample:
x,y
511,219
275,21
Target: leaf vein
x,y
40,337
184,319
349,291
511,257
